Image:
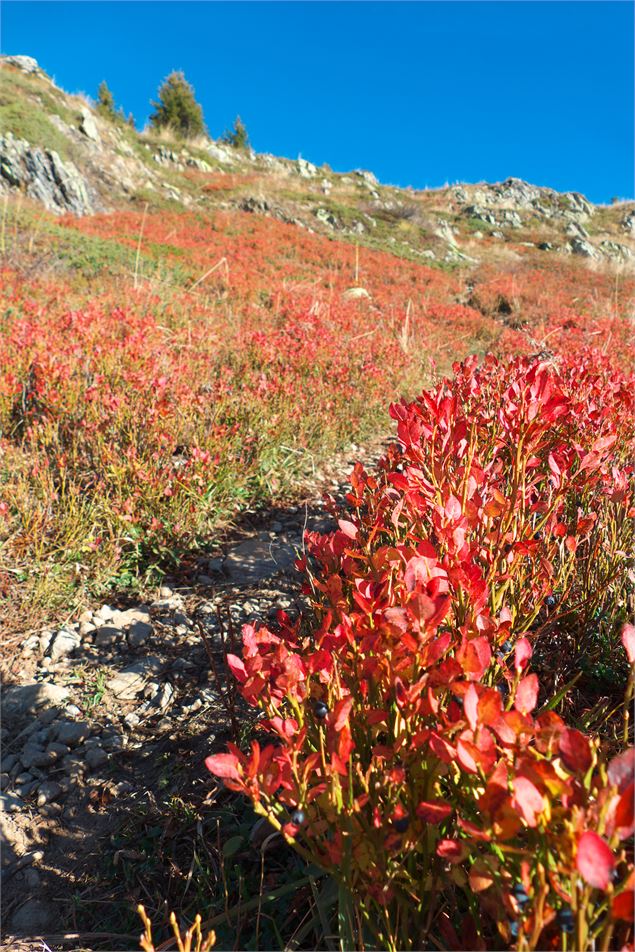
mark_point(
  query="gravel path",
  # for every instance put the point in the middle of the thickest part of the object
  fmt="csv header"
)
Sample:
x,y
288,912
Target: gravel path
x,y
98,712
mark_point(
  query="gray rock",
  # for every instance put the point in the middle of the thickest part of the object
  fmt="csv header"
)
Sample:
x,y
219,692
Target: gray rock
x,y
25,63
57,749
326,217
88,126
138,633
259,558
578,246
72,733
612,249
64,644
306,169
10,804
107,635
27,698
36,916
162,696
367,177
8,761
43,176
628,223
36,757
96,757
50,790
131,680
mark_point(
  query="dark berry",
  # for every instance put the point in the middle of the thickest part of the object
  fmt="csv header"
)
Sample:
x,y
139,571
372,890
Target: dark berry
x,y
550,601
402,824
320,710
298,817
565,920
503,690
520,894
513,929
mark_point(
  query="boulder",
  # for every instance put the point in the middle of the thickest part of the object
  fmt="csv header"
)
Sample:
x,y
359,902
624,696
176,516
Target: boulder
x,y
43,175
88,126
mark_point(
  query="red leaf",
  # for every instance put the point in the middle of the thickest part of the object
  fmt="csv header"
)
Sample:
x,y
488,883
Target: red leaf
x,y
622,769
433,811
340,713
628,640
594,860
348,528
224,765
478,655
527,694
237,668
522,653
470,706
625,813
452,850
528,800
575,750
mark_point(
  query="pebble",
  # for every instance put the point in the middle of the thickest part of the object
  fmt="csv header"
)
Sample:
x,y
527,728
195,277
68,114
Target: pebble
x,y
11,804
27,789
165,591
23,778
86,628
138,633
8,761
50,809
35,757
72,711
48,791
4,781
132,720
31,644
107,635
35,916
64,644
96,757
59,750
105,613
72,733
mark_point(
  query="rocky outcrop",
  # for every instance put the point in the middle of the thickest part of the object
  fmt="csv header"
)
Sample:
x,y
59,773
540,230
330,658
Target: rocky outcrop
x,y
516,197
43,175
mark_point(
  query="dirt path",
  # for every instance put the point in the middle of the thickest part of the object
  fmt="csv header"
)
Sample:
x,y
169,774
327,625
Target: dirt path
x,y
107,723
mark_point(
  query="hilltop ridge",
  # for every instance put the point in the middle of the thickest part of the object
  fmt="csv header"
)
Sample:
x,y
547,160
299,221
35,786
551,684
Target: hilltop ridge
x,y
57,150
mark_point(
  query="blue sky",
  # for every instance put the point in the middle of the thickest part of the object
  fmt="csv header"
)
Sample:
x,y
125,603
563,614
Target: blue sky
x,y
420,93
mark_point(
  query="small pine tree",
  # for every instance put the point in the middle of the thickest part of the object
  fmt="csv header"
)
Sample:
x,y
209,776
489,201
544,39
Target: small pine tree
x,y
177,108
106,101
237,137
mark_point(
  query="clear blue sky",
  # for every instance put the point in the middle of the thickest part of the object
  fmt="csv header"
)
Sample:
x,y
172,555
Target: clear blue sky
x,y
420,93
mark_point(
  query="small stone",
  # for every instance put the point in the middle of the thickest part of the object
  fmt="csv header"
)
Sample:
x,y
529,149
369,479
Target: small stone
x,y
26,789
50,790
31,644
107,635
8,761
27,698
32,878
35,916
57,749
162,697
36,757
72,711
165,591
130,682
23,778
132,720
4,781
10,804
205,580
45,639
276,527
85,616
72,733
64,644
86,628
105,613
96,758
138,633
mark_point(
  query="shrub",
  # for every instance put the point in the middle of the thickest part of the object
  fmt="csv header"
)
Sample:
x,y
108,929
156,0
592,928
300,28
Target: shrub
x,y
416,759
177,108
237,137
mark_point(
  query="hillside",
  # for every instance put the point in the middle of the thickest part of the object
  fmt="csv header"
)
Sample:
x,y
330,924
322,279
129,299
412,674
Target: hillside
x,y
220,369
57,149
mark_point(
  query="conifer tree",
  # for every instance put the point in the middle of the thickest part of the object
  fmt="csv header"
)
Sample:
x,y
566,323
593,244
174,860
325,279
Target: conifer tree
x,y
177,108
237,137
